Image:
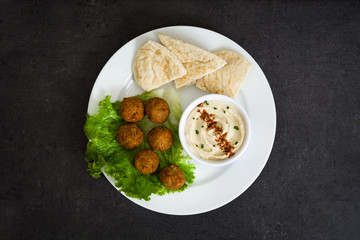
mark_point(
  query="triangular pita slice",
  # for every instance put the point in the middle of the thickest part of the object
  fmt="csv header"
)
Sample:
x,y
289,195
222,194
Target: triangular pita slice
x,y
198,62
228,79
154,65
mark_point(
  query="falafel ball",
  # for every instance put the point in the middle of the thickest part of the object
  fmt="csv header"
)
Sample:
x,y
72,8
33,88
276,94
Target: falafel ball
x,y
157,110
160,138
172,177
130,136
132,109
146,161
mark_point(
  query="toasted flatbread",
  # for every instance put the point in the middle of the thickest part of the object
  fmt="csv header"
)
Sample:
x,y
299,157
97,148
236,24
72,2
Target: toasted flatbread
x,y
198,62
154,65
229,79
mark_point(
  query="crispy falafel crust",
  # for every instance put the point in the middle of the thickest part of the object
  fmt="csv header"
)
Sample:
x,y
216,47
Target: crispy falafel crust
x,y
160,138
157,109
130,136
132,109
172,177
146,161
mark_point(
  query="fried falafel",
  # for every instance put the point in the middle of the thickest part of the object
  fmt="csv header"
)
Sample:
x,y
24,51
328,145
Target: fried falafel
x,y
160,138
146,161
157,109
130,136
132,109
172,177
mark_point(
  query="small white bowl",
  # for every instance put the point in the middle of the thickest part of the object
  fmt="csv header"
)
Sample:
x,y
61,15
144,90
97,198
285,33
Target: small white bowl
x,y
185,115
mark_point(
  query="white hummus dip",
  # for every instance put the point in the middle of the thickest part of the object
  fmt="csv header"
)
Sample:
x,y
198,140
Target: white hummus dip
x,y
215,130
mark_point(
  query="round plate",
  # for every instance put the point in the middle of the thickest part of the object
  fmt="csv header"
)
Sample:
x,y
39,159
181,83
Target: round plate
x,y
213,186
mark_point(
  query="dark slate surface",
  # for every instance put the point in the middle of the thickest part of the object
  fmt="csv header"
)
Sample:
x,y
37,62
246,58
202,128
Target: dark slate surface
x,y
51,54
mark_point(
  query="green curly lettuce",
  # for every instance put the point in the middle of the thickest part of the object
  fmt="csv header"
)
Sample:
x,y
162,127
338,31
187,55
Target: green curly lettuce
x,y
105,154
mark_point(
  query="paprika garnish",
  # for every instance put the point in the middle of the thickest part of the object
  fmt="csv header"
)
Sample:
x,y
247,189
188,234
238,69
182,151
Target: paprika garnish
x,y
221,140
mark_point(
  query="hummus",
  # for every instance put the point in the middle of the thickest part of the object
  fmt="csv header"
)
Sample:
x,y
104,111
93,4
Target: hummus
x,y
215,130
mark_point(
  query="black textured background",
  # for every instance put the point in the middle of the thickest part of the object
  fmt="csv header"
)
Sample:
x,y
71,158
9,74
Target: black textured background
x,y
51,53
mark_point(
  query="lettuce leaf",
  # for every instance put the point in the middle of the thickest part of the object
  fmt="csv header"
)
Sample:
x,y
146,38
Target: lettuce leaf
x,y
105,154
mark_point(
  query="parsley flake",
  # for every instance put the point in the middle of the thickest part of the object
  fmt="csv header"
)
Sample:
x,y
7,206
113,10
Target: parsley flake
x,y
236,127
196,131
202,145
227,107
206,102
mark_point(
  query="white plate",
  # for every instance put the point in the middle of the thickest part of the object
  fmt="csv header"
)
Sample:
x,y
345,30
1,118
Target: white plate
x,y
213,186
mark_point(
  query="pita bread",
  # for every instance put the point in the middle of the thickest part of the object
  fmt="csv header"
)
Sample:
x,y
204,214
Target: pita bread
x,y
198,62
228,79
154,65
